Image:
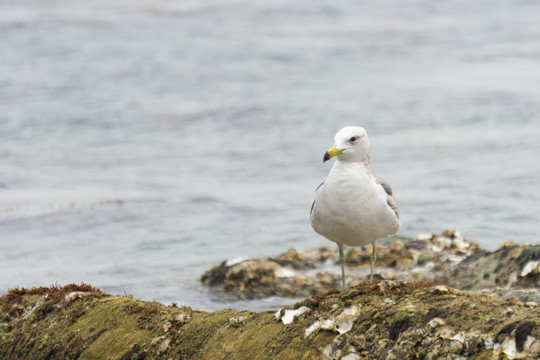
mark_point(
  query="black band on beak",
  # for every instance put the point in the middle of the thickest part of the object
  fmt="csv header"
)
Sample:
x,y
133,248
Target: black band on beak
x,y
326,157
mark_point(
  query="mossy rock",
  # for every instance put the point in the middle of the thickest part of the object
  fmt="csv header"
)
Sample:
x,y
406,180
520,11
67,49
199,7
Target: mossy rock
x,y
388,320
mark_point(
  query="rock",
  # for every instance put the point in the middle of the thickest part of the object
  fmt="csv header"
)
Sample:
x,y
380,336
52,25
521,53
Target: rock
x,y
350,356
440,289
472,341
252,278
181,318
167,326
164,347
157,340
424,237
259,278
373,320
237,321
436,322
449,259
74,295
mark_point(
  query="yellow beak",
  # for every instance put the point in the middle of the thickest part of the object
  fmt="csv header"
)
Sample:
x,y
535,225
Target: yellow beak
x,y
331,153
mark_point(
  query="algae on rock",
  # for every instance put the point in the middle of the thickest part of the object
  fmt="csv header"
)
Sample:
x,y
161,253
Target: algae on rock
x,y
448,258
380,320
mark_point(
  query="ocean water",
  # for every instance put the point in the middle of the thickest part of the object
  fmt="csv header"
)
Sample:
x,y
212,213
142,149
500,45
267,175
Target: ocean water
x,y
142,142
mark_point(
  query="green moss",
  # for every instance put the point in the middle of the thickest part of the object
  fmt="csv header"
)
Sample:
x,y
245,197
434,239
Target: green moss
x,y
99,326
423,257
529,254
104,328
207,272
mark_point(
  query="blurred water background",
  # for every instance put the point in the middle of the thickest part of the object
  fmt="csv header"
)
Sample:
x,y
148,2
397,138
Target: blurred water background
x,y
142,142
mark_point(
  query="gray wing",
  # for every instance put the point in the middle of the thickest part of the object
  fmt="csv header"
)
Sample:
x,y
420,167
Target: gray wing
x,y
390,199
313,204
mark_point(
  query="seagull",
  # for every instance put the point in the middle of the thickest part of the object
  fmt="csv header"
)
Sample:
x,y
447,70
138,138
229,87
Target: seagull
x,y
352,206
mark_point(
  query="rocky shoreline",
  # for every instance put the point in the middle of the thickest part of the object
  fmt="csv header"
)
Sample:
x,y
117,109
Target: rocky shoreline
x,y
378,320
512,271
487,309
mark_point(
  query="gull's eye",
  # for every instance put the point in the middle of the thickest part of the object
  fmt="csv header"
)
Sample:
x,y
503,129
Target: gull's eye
x,y
353,139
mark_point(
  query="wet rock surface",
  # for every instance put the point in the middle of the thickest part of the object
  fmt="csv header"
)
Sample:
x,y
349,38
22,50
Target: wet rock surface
x,y
512,271
374,320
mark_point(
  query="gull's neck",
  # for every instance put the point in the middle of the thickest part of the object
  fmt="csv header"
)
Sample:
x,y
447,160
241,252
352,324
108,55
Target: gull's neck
x,y
365,162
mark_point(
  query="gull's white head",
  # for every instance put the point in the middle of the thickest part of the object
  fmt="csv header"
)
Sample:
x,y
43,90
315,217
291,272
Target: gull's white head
x,y
351,144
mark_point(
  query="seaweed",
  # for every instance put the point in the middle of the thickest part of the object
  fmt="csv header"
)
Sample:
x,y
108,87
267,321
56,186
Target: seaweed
x,y
54,292
522,333
399,326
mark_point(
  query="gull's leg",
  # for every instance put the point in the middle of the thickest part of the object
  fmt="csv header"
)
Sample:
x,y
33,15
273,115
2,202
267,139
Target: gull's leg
x,y
373,258
342,263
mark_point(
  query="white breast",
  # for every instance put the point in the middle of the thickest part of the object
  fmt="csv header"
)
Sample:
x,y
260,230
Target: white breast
x,y
351,208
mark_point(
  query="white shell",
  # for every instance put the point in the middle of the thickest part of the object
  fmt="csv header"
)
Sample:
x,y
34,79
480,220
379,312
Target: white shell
x,y
289,315
285,273
532,267
315,326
